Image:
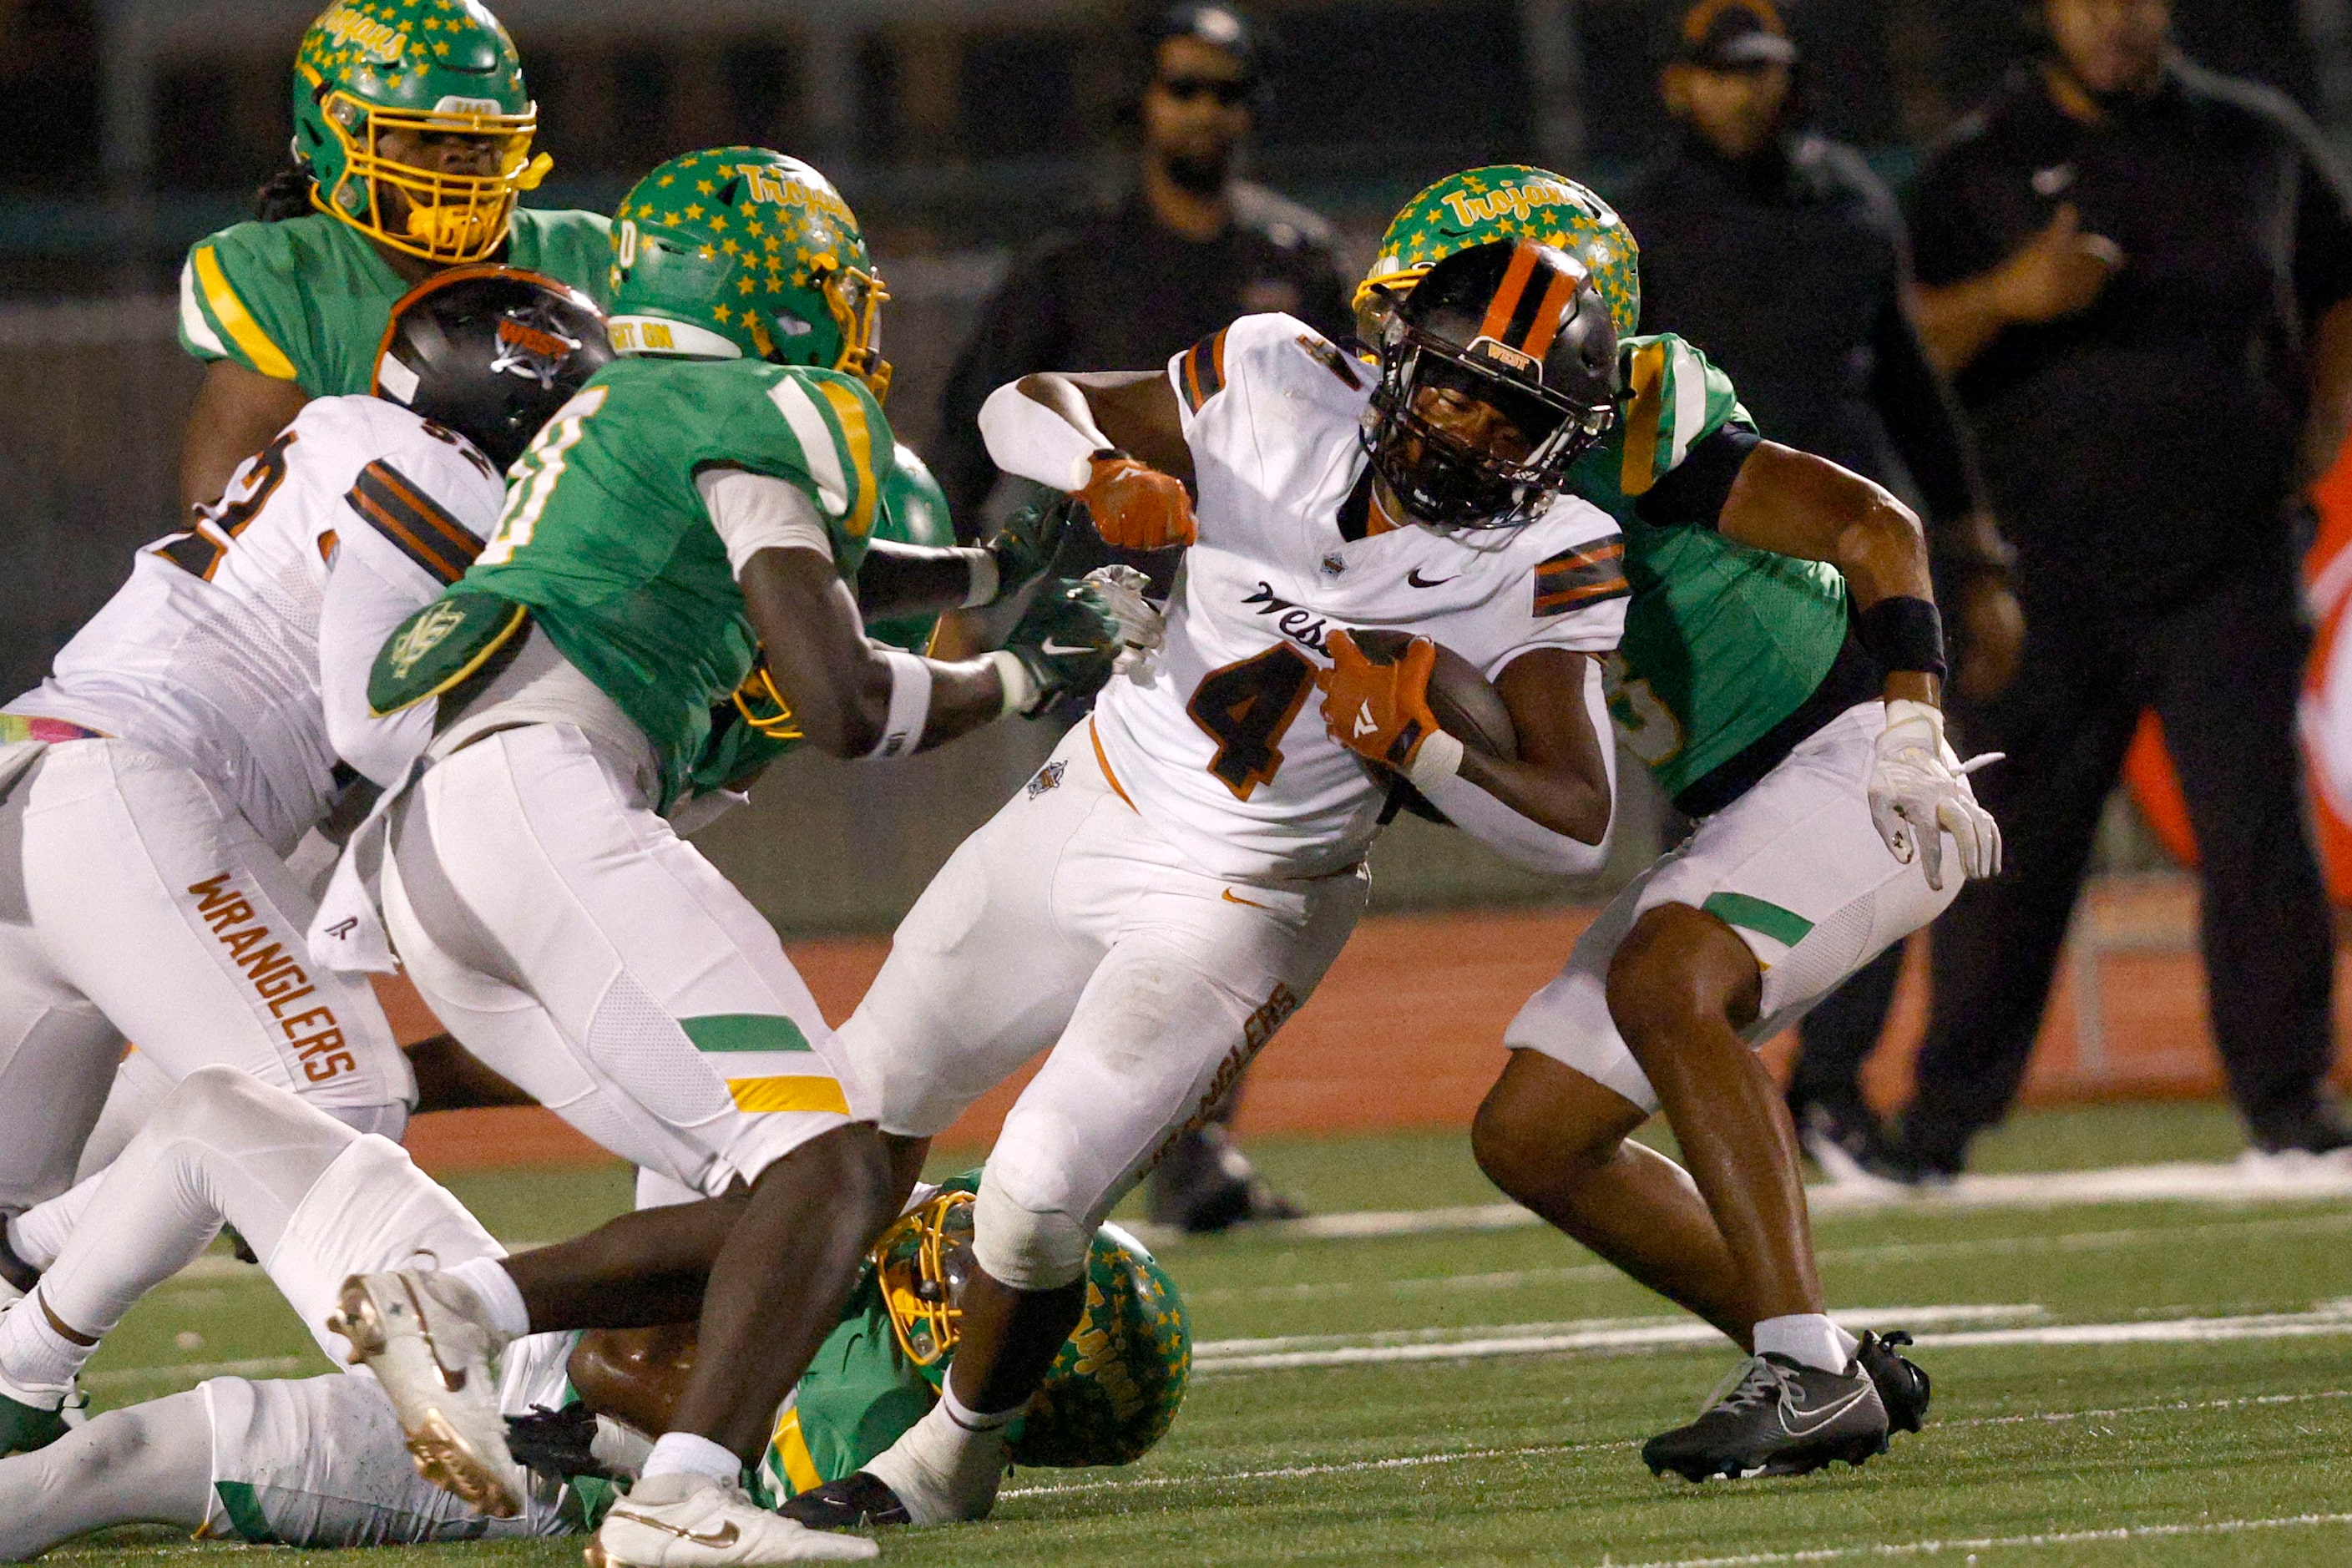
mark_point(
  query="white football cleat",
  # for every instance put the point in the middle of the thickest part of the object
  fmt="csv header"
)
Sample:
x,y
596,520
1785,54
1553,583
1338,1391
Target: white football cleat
x,y
943,1472
429,1342
701,1521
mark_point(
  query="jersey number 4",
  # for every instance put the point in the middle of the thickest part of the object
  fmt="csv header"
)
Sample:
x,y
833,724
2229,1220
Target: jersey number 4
x,y
1246,708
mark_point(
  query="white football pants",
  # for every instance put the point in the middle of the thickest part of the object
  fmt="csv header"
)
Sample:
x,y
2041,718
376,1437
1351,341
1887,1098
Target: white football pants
x,y
1798,871
135,902
1067,921
567,937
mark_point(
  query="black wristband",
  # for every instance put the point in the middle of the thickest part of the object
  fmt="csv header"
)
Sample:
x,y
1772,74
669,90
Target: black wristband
x,y
1904,633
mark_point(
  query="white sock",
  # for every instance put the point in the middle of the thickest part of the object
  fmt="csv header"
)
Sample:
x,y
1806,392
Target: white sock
x,y
499,1295
38,1235
1847,1344
684,1454
1808,1339
972,1420
946,1467
34,1355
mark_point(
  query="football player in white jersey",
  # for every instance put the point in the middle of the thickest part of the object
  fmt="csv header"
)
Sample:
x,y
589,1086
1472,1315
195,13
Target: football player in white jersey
x,y
152,787
1171,887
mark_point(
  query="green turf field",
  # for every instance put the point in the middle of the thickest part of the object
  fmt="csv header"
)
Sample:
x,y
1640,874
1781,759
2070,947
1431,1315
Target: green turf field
x,y
2166,1384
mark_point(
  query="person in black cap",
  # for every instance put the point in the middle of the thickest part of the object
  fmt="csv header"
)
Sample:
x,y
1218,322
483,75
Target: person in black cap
x,y
1778,252
2141,274
1189,249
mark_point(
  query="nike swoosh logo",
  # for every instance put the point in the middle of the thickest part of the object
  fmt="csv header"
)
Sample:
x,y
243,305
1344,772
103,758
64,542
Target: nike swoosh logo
x,y
1050,647
453,1379
716,1537
1365,723
1418,581
1253,903
1820,1416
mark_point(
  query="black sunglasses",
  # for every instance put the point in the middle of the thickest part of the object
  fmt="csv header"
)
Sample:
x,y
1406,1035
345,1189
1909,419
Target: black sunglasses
x,y
1229,92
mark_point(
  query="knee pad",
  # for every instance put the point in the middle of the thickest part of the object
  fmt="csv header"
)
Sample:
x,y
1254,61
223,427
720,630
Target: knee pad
x,y
1021,1243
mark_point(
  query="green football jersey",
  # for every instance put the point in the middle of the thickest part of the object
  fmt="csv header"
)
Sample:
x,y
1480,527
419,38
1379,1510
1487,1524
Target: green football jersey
x,y
307,299
858,1397
1722,641
604,537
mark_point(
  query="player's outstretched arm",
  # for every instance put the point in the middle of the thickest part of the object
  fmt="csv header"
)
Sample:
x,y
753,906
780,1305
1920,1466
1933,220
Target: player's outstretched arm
x,y
1115,439
1797,504
852,698
897,580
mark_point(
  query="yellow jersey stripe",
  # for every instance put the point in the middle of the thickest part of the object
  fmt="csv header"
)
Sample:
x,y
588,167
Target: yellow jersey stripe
x,y
857,440
236,321
792,1451
811,1093
1648,379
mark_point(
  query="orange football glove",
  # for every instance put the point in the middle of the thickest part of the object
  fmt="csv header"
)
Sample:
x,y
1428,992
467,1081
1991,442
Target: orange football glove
x,y
1135,506
1379,712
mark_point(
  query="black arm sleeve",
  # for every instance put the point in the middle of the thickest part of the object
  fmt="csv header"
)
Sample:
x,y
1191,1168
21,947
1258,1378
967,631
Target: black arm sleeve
x,y
1693,491
1021,330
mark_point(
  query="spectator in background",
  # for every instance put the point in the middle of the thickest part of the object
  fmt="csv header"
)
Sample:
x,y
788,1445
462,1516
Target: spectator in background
x,y
1781,255
2141,274
1189,249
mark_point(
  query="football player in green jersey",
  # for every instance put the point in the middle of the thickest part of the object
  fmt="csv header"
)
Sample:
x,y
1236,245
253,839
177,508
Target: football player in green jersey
x,y
1780,672
693,529
411,141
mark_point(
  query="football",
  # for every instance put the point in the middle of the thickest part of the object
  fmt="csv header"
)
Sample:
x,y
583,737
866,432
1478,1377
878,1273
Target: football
x,y
1466,705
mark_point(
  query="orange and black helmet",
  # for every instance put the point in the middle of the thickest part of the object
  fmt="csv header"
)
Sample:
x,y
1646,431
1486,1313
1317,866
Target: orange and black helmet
x,y
1519,327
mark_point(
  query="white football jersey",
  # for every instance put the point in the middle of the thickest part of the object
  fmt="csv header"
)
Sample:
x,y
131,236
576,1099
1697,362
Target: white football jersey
x,y
1220,740
357,514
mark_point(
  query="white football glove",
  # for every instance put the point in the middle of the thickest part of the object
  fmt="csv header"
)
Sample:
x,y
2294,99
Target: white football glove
x,y
1919,791
1142,627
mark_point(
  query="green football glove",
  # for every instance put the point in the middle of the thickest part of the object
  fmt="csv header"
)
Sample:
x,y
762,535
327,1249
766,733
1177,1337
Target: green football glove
x,y
1067,644
1024,548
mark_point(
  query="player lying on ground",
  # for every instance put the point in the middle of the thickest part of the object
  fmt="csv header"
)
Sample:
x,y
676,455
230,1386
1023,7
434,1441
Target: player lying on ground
x,y
322,1461
1779,672
1172,884
151,788
694,526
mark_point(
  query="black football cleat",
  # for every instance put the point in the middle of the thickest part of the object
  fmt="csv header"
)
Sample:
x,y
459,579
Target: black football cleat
x,y
1778,1417
854,1502
1902,1382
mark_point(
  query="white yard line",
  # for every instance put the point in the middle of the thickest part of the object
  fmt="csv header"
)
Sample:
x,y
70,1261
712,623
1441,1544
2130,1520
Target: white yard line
x,y
1488,1342
1536,1450
2000,1542
2181,1182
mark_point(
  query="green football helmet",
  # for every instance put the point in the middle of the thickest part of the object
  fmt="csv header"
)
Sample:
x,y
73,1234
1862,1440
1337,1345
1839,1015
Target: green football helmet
x,y
738,250
1509,202
426,68
1114,1390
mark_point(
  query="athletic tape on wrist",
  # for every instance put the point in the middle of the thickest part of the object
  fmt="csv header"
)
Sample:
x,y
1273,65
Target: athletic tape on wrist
x,y
1020,686
986,581
1027,438
1440,757
910,704
1904,633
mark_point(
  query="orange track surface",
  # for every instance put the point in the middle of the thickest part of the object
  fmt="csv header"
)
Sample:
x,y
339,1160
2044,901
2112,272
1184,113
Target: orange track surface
x,y
1407,1028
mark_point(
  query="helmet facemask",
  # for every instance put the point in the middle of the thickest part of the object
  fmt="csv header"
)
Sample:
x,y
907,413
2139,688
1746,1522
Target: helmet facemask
x,y
449,218
1447,481
855,298
923,1263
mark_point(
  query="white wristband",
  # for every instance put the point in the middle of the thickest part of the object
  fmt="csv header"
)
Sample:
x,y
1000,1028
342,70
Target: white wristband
x,y
1020,686
1027,438
986,583
1440,757
910,704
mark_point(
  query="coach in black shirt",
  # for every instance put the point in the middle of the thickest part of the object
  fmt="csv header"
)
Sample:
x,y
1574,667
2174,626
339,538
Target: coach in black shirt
x,y
1189,249
2139,272
1781,255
